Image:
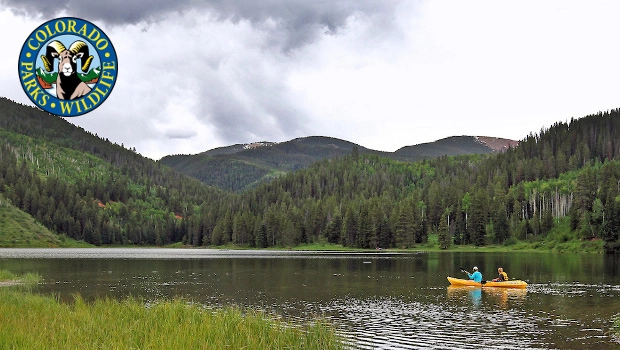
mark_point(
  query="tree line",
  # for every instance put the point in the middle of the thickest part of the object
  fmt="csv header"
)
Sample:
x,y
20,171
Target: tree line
x,y
569,172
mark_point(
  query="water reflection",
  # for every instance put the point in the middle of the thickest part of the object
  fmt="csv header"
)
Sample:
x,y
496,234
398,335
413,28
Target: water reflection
x,y
497,298
458,293
506,297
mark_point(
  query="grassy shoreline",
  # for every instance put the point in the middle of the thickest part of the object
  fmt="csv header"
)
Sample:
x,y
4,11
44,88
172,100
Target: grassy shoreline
x,y
582,247
41,322
7,278
572,247
31,321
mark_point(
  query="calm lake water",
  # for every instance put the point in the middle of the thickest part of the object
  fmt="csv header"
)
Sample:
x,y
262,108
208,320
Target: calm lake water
x,y
379,301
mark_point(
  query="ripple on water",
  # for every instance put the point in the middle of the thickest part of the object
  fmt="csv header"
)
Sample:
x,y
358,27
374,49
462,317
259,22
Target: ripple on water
x,y
574,289
397,324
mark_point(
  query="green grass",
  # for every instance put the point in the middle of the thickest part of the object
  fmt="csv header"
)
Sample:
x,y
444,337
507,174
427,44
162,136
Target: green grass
x,y
27,279
41,322
325,246
20,230
178,245
549,244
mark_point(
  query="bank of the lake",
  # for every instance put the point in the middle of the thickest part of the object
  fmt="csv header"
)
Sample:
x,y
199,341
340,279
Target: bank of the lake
x,y
581,247
544,245
33,321
7,278
42,322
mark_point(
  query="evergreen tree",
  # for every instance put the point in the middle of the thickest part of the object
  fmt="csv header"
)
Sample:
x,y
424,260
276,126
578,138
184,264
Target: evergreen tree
x,y
404,230
350,228
385,238
479,217
261,236
500,225
364,239
443,231
334,229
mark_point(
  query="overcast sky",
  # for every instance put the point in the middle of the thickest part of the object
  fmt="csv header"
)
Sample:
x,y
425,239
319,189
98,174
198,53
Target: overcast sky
x,y
195,75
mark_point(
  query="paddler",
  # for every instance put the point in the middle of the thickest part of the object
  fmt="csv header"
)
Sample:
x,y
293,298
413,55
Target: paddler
x,y
502,276
476,276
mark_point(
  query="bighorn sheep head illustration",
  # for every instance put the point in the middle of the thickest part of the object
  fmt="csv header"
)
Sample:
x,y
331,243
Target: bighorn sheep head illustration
x,y
67,58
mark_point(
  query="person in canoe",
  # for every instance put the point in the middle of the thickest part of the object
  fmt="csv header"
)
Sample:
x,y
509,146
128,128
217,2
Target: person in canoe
x,y
476,276
502,276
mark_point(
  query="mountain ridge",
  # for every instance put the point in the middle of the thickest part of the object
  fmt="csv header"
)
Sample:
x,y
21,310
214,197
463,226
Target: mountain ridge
x,y
494,144
241,166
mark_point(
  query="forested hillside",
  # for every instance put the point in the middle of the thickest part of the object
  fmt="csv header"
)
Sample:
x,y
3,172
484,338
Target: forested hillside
x,y
562,182
242,167
89,189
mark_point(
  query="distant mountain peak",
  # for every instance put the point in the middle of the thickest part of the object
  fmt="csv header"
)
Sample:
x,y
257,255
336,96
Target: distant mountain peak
x,y
260,144
240,166
497,144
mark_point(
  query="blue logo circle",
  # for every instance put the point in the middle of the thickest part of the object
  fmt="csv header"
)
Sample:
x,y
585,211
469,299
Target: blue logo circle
x,y
68,66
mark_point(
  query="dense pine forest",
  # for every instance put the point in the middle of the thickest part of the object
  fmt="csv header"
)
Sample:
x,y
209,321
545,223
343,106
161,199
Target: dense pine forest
x,y
87,188
560,184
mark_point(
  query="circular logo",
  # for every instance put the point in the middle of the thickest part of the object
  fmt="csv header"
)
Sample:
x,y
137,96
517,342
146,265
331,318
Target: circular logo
x,y
68,66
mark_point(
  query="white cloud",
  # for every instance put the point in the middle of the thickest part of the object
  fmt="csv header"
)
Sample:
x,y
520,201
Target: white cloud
x,y
12,43
384,75
483,68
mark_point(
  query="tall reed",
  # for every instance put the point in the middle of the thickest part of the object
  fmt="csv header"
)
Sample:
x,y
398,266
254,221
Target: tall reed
x,y
28,279
32,321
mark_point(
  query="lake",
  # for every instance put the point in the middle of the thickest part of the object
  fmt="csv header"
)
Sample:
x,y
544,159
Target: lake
x,y
378,300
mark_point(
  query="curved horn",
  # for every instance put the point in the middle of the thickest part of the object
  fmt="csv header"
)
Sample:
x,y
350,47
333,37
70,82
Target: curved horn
x,y
80,46
54,46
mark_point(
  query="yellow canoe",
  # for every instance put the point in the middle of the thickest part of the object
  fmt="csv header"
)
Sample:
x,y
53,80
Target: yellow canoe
x,y
506,284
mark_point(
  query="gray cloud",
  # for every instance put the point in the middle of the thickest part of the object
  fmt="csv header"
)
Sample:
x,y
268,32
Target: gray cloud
x,y
113,11
247,100
292,23
218,89
234,72
302,21
180,134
